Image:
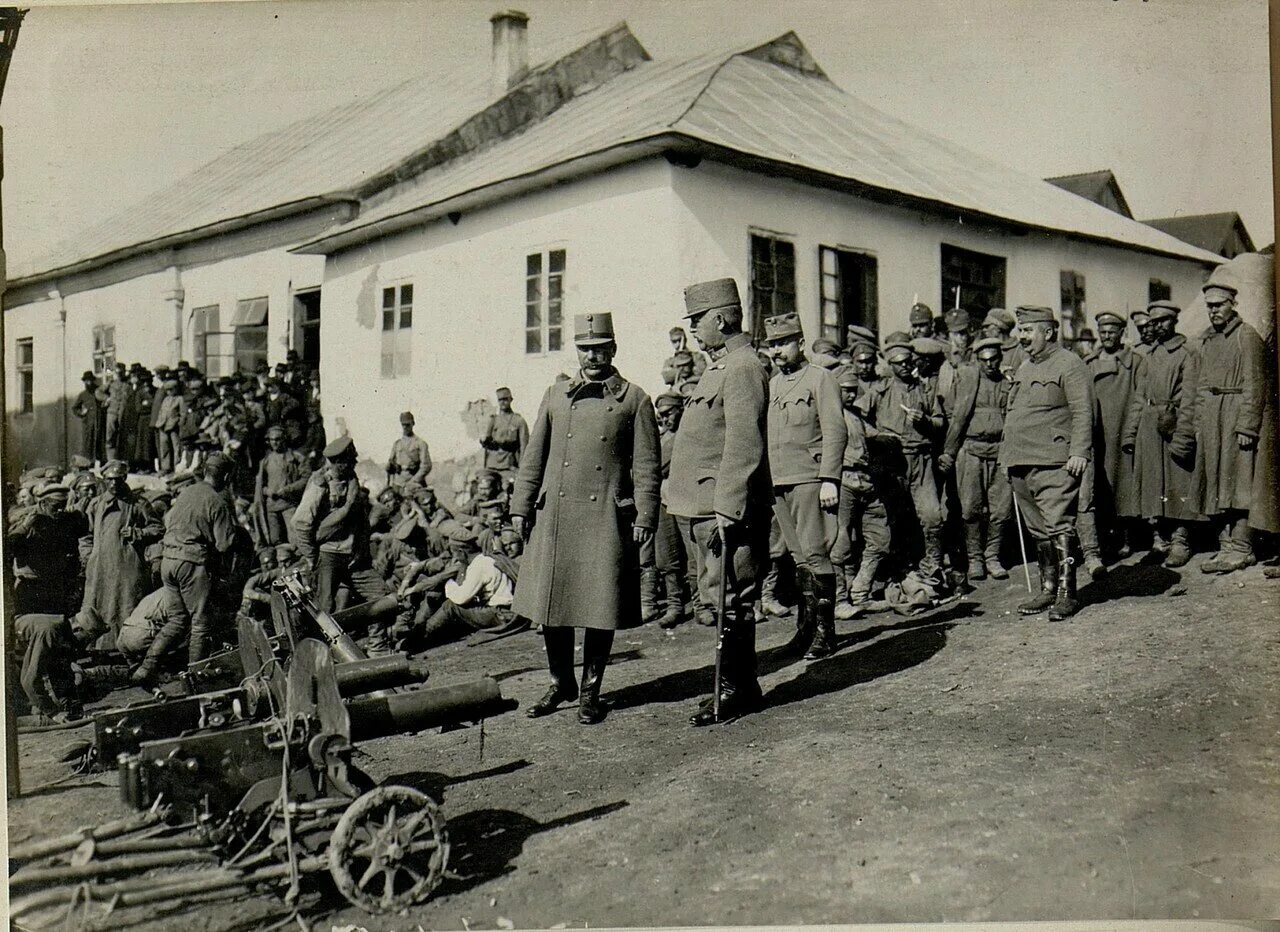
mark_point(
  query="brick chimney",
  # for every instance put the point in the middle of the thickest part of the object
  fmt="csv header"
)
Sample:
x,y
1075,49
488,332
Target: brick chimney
x,y
510,51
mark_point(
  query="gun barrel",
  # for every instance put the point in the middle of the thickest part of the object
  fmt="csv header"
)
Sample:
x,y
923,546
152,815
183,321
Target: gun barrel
x,y
402,713
364,676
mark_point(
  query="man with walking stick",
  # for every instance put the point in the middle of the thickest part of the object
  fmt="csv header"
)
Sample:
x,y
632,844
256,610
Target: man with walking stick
x,y
720,492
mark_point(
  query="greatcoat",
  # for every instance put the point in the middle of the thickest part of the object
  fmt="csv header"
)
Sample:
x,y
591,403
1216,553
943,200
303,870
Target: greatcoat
x,y
1161,428
590,473
117,574
1113,379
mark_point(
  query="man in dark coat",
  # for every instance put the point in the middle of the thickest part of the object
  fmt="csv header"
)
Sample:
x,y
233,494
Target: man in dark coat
x,y
89,408
119,414
1048,439
719,489
586,498
1160,433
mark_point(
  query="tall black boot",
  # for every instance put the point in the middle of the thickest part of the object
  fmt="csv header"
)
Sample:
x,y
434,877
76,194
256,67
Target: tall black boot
x,y
824,610
806,617
559,644
1066,603
595,657
739,687
1048,580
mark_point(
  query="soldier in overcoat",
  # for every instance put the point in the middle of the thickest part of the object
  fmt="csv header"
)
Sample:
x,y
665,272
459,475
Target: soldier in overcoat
x,y
807,437
89,408
1047,443
719,487
1160,433
1234,410
586,497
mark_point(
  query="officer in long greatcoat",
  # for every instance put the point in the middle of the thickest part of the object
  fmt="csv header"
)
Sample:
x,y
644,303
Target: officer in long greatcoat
x,y
719,489
586,497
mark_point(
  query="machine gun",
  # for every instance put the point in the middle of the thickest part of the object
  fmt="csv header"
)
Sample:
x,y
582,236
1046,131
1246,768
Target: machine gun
x,y
265,801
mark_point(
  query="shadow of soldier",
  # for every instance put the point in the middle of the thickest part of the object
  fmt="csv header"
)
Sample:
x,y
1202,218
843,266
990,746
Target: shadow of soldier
x,y
1140,580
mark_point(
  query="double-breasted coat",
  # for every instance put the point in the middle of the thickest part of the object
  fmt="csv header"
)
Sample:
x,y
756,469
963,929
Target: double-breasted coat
x,y
590,474
1161,427
1113,379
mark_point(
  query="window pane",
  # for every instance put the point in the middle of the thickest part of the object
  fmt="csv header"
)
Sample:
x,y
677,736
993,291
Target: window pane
x,y
828,257
553,339
533,290
533,315
388,297
406,318
760,249
533,341
24,352
109,337
388,320
553,287
784,303
553,314
557,261
533,264
406,294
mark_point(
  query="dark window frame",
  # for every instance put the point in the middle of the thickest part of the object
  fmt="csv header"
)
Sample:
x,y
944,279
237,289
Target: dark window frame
x,y
26,374
1072,305
396,308
981,277
773,278
834,317
544,300
104,349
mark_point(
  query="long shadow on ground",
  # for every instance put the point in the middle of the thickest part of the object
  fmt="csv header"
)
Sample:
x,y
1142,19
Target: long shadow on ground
x,y
1139,580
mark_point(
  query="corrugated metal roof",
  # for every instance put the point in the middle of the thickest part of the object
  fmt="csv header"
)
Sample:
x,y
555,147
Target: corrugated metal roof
x,y
762,109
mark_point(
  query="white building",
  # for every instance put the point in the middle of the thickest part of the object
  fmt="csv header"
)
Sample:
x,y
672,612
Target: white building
x,y
434,242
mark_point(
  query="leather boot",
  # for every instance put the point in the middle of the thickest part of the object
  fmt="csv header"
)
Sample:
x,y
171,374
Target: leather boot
x,y
675,601
595,657
559,645
806,620
973,548
649,594
1048,580
739,687
842,586
1087,529
1179,548
1066,604
991,552
769,603
824,589
930,567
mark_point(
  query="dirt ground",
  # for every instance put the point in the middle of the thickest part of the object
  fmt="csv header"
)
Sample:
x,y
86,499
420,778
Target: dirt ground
x,y
966,765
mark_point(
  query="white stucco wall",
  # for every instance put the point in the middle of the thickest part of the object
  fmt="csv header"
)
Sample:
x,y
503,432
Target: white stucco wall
x,y
37,438
469,310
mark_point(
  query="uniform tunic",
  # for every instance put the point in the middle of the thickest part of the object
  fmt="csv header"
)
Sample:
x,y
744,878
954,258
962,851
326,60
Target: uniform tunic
x,y
589,475
912,443
410,461
504,441
1161,427
979,424
1233,398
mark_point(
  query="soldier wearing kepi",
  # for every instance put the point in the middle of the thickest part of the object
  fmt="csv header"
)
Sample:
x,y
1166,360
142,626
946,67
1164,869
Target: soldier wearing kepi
x,y
586,499
807,437
505,437
921,320
1160,433
719,488
410,460
1046,448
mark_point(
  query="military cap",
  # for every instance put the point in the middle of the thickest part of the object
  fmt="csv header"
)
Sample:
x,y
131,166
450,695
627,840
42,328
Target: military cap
x,y
406,417
1109,317
999,317
183,364
928,346
987,346
218,464
491,504
1035,314
1140,316
421,493
593,329
920,313
195,375
823,345
503,392
668,400
461,535
1223,278
858,333
674,331
847,378
342,447
115,469
1086,336
1224,287
682,356
180,481
897,338
782,327
1163,310
957,320
50,490
85,478
508,534
81,462
863,350
87,376
895,351
711,296
262,366
275,430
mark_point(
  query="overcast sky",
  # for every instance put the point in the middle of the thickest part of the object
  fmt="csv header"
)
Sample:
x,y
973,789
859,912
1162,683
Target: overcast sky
x,y
106,104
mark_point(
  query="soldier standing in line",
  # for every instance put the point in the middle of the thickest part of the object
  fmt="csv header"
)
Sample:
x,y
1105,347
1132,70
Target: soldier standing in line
x,y
505,438
1160,433
1234,409
88,407
1146,334
807,437
999,323
972,448
669,553
719,489
1048,433
1109,479
119,394
163,391
410,460
959,338
586,499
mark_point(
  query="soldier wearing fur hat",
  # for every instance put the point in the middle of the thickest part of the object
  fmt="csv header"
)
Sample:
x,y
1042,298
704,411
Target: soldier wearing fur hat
x,y
587,499
410,460
1160,433
1235,427
806,437
720,491
1047,443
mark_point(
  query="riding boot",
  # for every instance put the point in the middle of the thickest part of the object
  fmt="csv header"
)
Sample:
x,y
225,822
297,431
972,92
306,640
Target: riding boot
x,y
595,657
769,604
1048,580
824,588
649,594
559,645
675,601
991,552
806,621
973,548
1066,603
739,686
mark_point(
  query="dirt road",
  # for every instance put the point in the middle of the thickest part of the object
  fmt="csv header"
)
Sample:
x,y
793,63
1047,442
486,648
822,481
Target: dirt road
x,y
967,765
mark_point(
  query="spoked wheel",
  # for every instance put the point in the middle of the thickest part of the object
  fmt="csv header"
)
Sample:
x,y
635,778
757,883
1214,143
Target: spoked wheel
x,y
389,849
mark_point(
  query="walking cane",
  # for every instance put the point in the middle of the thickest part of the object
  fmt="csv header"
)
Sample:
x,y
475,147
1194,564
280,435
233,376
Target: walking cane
x,y
724,583
1022,545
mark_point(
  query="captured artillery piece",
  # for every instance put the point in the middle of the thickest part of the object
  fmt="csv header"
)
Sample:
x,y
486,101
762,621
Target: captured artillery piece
x,y
267,801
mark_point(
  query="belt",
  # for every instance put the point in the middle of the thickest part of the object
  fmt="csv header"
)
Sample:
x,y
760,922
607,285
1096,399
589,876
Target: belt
x,y
1215,390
